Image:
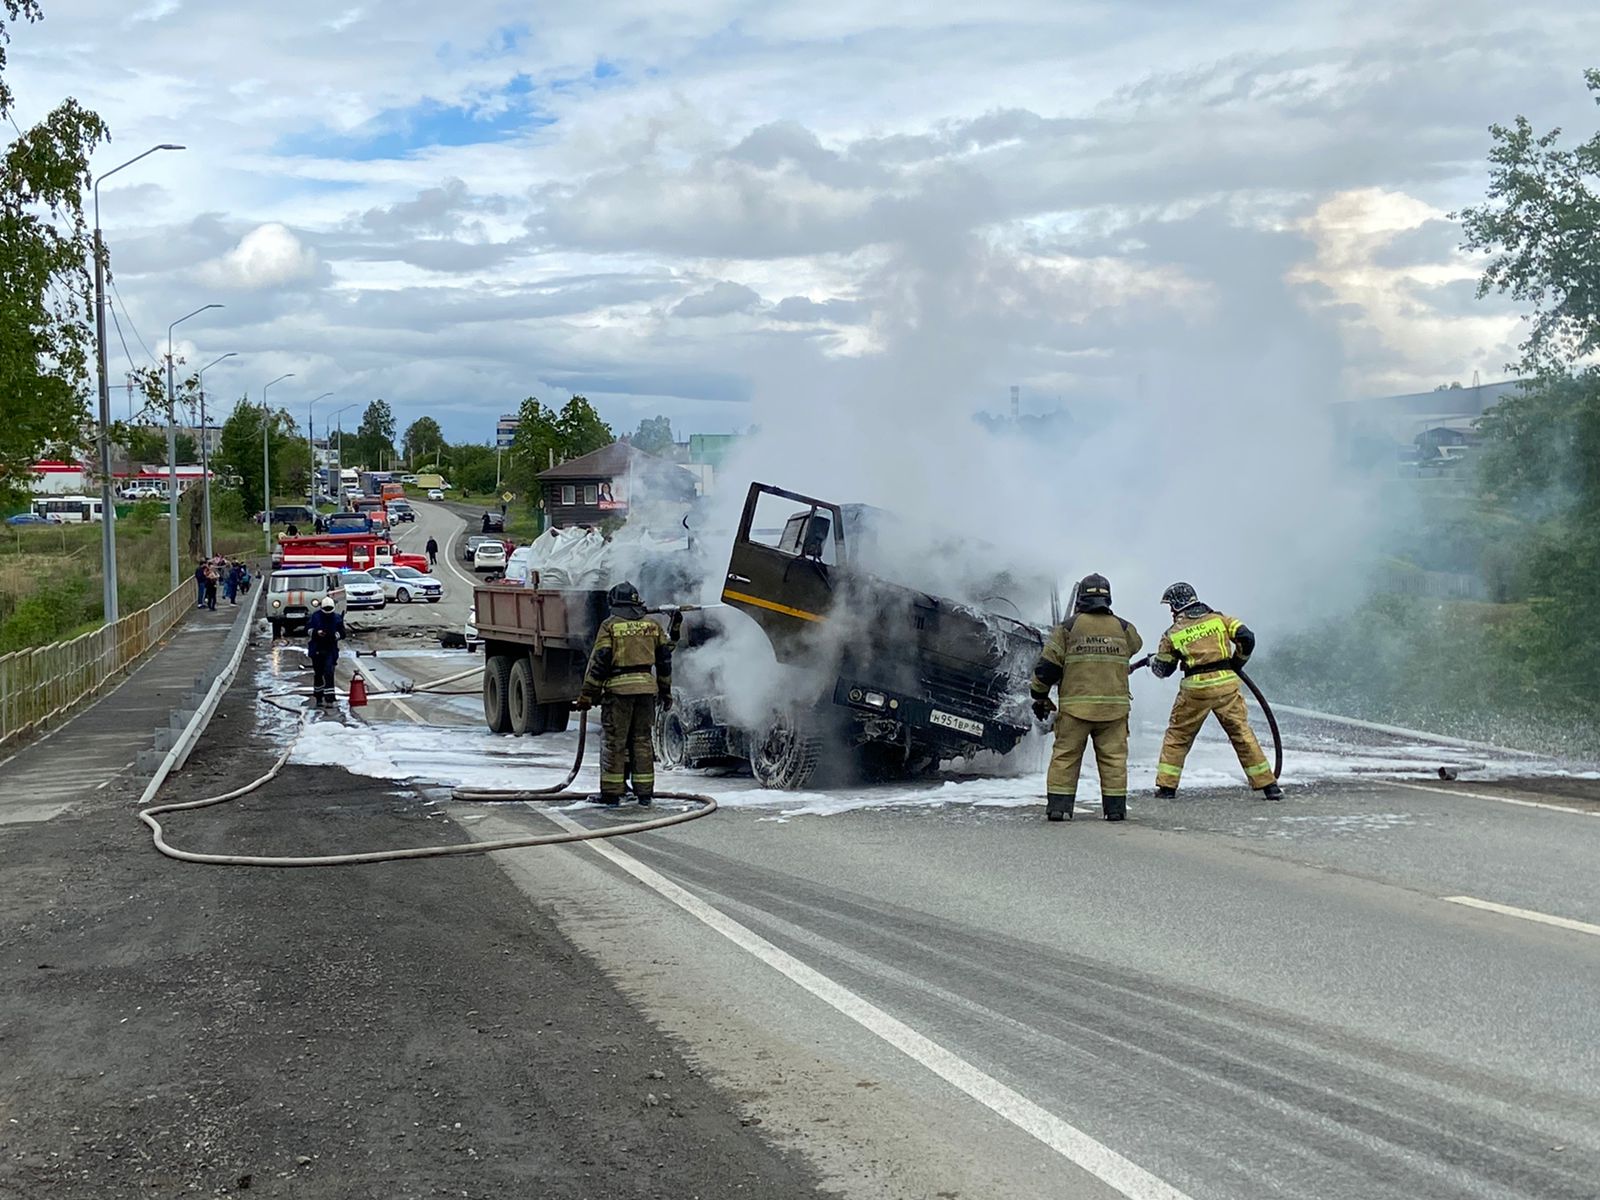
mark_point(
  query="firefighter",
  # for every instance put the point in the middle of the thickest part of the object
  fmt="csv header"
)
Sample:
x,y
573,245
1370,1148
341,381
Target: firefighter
x,y
1211,647
324,632
630,668
1086,660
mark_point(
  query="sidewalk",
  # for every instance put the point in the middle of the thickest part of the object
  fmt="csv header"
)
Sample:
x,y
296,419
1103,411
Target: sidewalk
x,y
45,778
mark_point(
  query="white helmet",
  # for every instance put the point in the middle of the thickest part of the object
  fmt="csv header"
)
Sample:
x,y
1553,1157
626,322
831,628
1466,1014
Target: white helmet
x,y
327,604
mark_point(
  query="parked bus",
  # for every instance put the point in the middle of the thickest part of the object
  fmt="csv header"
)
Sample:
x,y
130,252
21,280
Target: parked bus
x,y
70,510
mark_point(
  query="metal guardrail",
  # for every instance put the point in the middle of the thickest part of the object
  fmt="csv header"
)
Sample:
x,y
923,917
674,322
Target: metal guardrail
x,y
38,685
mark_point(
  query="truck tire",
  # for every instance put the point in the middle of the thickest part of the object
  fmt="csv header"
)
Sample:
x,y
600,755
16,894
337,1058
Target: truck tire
x,y
523,709
496,684
670,739
556,717
784,754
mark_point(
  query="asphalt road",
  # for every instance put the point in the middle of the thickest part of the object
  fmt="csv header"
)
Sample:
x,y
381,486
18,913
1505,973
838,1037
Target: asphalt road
x,y
1376,989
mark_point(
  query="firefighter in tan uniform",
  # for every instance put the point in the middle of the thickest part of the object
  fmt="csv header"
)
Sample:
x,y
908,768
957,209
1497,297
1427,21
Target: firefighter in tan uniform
x,y
1210,647
629,668
1086,660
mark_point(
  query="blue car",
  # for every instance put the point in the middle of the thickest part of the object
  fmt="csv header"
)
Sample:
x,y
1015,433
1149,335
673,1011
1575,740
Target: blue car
x,y
29,519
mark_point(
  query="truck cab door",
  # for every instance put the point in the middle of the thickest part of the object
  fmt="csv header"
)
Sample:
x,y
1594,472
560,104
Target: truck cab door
x,y
784,566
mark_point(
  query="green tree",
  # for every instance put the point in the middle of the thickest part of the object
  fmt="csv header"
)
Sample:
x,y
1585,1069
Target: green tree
x,y
374,440
581,429
239,451
1542,444
1539,229
423,441
146,444
537,443
654,435
472,467
46,318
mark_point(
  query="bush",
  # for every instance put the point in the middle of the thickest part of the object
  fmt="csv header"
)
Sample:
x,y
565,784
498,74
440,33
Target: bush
x,y
48,615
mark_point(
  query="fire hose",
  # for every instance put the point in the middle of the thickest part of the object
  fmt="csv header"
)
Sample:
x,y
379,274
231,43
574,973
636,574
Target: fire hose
x,y
708,805
1272,720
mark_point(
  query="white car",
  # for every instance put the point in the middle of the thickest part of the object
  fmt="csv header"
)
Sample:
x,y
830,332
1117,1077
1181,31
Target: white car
x,y
143,491
435,494
469,630
361,590
489,556
406,584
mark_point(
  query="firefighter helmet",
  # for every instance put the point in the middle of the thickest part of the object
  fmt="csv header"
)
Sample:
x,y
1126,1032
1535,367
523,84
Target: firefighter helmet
x,y
624,595
1094,594
1179,596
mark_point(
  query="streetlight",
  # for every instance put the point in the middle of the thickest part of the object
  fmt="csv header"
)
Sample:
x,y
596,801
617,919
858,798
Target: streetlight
x,y
338,459
108,504
172,447
266,464
311,447
205,463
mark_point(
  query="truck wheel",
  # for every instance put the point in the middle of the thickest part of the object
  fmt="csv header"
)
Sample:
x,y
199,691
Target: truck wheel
x,y
671,739
496,683
522,703
783,754
556,717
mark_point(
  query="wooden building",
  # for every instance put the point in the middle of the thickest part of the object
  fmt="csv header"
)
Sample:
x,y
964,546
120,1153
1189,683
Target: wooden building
x,y
601,485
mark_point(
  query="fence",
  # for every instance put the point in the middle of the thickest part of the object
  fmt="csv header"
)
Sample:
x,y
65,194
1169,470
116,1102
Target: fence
x,y
39,684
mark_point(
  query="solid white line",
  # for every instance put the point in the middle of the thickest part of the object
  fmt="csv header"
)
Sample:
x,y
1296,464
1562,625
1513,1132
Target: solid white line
x,y
1525,914
1561,808
1099,1160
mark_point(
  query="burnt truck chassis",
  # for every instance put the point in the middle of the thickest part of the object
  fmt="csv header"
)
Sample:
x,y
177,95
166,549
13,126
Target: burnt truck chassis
x,y
922,679
916,681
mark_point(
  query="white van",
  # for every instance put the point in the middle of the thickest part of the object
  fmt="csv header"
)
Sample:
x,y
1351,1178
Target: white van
x,y
293,592
69,510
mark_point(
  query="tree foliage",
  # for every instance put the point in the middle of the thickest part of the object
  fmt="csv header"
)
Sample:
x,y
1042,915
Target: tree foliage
x,y
374,441
1538,227
423,440
654,435
46,338
581,429
1541,456
239,453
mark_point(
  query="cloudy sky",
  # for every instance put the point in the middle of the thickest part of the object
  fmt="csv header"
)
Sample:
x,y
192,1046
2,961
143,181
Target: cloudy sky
x,y
701,209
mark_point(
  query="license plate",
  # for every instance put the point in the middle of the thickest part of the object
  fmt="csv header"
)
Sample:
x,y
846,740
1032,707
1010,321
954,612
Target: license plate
x,y
965,725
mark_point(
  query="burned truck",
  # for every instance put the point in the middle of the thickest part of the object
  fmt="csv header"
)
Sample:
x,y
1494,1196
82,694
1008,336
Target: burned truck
x,y
866,675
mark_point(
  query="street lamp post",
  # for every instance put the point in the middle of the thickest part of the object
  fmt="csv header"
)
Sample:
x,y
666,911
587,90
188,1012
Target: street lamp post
x,y
108,503
311,447
266,464
205,458
172,447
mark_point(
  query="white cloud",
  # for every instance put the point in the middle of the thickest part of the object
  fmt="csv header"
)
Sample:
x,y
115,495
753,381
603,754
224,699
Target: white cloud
x,y
269,256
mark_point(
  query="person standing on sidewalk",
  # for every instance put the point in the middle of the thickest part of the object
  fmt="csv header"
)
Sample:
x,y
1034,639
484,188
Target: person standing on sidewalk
x,y
200,583
211,578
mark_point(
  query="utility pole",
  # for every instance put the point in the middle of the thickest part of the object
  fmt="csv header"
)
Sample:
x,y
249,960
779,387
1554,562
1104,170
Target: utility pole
x,y
266,466
172,449
205,456
311,447
108,501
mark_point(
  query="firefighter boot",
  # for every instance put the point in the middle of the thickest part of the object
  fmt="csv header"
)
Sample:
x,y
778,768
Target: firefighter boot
x,y
1272,792
1059,807
1166,793
608,801
1114,808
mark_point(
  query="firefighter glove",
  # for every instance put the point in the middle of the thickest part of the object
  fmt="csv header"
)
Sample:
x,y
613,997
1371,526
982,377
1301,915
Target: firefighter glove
x,y
581,704
1043,706
665,700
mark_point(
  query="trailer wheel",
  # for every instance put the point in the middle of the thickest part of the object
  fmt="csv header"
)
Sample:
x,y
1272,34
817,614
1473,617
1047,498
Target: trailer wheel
x,y
522,703
784,754
496,683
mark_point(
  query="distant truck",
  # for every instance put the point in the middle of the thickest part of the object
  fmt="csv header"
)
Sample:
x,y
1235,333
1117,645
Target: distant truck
x,y
887,681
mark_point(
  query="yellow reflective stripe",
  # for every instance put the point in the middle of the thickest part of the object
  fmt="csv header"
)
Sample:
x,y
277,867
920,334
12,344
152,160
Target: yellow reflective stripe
x,y
743,598
1167,770
1208,679
604,778
1258,769
1094,700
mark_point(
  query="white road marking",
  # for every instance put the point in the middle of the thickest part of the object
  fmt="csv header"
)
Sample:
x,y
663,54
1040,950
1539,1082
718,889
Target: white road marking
x,y
1099,1160
1525,914
1561,808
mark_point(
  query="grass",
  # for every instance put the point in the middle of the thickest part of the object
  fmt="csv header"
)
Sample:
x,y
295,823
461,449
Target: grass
x,y
50,579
